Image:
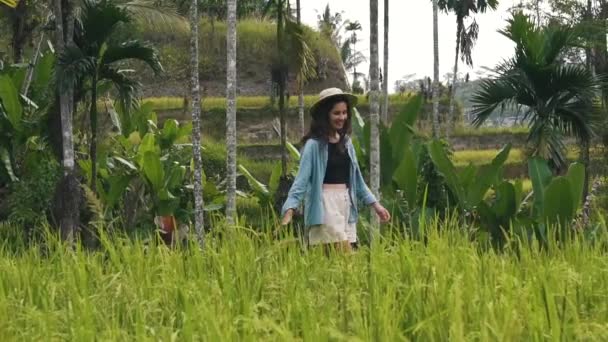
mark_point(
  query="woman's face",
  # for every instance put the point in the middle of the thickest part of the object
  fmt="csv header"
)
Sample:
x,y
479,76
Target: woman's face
x,y
338,115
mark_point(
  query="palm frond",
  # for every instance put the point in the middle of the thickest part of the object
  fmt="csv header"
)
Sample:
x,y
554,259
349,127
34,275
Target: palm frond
x,y
493,93
574,79
134,50
468,39
578,118
300,54
547,141
73,65
125,86
98,20
154,14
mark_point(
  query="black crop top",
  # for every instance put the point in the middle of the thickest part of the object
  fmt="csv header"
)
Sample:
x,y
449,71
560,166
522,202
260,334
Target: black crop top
x,y
338,166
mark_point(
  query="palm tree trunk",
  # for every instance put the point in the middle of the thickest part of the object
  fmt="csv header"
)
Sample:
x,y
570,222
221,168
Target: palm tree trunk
x,y
281,84
93,146
451,120
374,105
68,187
283,129
300,83
196,125
589,50
385,78
19,35
231,113
435,70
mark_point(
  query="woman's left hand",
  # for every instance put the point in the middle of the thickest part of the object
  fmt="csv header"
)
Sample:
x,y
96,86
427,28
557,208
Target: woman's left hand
x,y
382,213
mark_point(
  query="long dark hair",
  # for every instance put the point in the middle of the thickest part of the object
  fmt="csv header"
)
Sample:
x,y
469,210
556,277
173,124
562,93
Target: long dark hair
x,y
320,128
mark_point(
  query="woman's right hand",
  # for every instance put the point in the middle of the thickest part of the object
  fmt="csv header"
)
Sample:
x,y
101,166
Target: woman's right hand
x,y
287,217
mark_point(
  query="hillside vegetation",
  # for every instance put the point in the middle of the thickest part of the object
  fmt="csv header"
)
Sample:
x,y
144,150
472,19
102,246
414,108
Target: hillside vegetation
x,y
255,55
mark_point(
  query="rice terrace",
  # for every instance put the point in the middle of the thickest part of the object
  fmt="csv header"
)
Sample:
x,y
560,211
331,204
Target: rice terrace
x,y
303,170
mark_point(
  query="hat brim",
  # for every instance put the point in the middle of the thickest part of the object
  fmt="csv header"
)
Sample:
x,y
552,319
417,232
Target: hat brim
x,y
350,99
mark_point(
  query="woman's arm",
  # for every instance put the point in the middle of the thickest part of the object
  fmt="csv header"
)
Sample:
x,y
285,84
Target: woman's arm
x,y
365,195
298,188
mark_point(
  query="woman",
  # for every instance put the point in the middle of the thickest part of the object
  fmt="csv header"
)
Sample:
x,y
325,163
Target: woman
x,y
329,178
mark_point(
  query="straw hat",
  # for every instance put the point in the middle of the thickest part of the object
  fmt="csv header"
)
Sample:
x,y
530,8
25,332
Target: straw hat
x,y
328,94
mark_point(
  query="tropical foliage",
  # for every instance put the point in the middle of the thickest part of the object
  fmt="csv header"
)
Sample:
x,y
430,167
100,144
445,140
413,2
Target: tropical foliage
x,y
557,98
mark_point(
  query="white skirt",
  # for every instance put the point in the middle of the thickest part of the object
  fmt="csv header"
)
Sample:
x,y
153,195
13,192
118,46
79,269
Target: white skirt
x,y
335,227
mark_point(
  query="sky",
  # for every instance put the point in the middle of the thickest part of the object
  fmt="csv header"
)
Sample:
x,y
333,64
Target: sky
x,y
411,35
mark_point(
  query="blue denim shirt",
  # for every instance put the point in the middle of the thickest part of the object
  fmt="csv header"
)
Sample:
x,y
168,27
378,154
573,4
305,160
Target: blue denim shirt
x,y
308,184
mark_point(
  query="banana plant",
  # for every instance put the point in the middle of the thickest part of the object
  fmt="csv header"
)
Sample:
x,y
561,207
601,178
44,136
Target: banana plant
x,y
21,114
553,203
400,149
557,200
266,193
471,185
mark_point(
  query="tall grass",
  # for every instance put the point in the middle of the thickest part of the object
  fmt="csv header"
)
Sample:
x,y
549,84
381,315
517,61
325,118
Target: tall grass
x,y
246,286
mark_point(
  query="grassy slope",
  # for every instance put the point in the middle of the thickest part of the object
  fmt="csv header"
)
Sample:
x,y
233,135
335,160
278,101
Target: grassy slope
x,y
255,55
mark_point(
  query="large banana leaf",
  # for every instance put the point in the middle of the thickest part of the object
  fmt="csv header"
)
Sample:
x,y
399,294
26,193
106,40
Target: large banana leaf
x,y
401,127
117,186
293,152
170,132
387,163
489,221
275,178
540,175
9,100
43,76
576,177
486,176
558,202
153,170
505,205
406,177
260,189
446,168
467,175
147,144
175,176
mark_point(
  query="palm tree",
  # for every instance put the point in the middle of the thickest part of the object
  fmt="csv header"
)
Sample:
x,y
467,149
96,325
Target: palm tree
x,y
351,58
281,67
68,186
385,75
95,56
557,98
465,39
435,70
196,125
231,112
374,103
294,54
